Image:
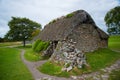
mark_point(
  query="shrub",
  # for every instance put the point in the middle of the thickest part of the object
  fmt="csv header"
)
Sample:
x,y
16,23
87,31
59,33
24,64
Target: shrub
x,y
46,45
40,45
35,44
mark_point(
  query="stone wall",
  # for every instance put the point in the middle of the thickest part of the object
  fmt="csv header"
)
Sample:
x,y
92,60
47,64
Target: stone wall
x,y
68,55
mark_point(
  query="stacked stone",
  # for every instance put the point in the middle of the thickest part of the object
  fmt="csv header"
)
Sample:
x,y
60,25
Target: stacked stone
x,y
71,56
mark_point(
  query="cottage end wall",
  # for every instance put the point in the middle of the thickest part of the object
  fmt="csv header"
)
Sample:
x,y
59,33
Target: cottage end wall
x,y
87,38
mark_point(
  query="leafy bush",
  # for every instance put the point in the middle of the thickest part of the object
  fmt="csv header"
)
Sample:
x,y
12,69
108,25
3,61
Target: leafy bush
x,y
35,44
46,45
40,45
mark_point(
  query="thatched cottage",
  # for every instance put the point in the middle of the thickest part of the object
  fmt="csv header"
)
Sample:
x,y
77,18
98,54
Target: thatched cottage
x,y
71,36
78,26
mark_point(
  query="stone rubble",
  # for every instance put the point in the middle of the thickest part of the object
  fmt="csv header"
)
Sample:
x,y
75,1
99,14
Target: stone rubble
x,y
70,56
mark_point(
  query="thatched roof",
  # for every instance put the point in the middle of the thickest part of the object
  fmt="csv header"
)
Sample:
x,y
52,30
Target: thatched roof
x,y
60,28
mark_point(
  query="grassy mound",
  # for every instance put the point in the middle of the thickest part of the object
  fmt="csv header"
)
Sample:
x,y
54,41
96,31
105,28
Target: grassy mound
x,y
11,66
97,60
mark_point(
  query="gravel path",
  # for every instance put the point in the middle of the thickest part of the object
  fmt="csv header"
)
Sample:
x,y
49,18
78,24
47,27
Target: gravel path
x,y
37,75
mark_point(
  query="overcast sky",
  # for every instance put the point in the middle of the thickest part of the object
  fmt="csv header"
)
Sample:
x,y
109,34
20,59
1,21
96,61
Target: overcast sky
x,y
43,11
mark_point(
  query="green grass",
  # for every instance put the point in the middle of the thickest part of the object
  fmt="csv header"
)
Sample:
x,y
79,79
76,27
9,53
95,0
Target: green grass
x,y
115,75
52,69
102,58
10,44
114,42
28,46
97,60
30,55
11,66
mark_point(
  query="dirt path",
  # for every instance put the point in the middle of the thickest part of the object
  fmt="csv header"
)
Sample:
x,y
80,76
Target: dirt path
x,y
32,66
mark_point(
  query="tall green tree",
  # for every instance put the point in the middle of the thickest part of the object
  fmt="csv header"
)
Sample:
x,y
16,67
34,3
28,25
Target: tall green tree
x,y
21,29
112,20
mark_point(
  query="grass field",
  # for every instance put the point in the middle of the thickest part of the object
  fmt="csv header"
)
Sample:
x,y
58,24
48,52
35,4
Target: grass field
x,y
114,42
10,44
11,66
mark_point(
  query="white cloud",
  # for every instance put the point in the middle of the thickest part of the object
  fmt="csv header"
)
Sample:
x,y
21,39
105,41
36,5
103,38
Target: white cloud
x,y
43,11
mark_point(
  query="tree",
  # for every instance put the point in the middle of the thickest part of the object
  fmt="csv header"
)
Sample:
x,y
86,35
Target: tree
x,y
112,20
1,39
21,29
